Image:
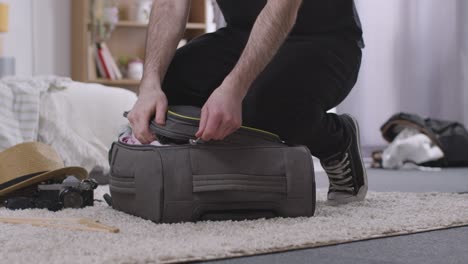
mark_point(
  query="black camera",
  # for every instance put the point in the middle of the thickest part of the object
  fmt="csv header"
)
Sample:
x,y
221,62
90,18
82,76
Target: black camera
x,y
71,193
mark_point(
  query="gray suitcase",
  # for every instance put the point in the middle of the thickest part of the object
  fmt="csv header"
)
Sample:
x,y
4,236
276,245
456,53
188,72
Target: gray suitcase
x,y
251,174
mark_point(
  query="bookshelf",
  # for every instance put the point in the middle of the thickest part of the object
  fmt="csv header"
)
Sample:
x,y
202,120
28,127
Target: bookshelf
x,y
126,40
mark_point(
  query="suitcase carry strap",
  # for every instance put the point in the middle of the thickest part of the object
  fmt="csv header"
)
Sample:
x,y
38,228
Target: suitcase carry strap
x,y
239,182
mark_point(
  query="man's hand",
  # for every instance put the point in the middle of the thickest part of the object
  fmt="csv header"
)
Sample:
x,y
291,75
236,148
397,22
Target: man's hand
x,y
221,115
151,102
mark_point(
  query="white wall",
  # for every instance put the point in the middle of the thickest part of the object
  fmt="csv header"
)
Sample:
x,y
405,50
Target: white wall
x,y
51,35
411,63
463,15
377,76
39,36
18,41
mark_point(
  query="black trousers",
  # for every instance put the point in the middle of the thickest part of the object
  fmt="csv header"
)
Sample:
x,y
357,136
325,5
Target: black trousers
x,y
308,76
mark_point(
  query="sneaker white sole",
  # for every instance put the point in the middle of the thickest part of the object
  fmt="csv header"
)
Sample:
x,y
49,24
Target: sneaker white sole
x,y
361,195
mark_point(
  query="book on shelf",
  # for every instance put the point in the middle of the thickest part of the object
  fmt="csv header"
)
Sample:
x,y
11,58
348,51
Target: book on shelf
x,y
110,59
105,67
92,67
105,63
99,67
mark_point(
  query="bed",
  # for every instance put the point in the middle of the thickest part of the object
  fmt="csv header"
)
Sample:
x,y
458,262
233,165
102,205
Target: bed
x,y
80,120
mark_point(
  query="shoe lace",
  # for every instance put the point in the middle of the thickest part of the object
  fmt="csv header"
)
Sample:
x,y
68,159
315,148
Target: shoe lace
x,y
339,174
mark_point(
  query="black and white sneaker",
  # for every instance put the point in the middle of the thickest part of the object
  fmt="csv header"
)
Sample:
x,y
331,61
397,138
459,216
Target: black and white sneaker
x,y
346,171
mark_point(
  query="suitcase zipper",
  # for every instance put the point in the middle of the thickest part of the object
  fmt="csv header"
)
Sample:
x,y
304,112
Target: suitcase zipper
x,y
193,121
184,118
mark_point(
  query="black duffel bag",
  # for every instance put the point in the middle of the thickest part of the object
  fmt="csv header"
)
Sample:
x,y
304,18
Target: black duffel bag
x,y
450,136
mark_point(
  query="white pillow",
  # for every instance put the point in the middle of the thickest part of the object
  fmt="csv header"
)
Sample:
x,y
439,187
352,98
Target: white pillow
x,y
82,121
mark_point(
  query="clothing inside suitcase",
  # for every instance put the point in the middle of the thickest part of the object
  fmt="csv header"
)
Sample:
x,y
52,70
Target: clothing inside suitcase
x,y
251,174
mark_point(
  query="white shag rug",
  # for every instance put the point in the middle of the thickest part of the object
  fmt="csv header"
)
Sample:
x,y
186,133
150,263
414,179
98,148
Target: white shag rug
x,y
141,241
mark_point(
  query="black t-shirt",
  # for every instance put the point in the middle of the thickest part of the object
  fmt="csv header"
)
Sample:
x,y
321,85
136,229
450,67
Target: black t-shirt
x,y
314,17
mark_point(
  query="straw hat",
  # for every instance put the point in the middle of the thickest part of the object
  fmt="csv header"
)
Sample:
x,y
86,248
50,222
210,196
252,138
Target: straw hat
x,y
31,163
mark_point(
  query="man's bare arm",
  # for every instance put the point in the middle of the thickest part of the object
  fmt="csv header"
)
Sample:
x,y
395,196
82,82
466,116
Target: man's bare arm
x,y
166,27
222,113
268,33
165,30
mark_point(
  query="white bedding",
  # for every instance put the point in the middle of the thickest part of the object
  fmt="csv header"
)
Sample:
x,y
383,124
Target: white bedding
x,y
19,107
79,120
